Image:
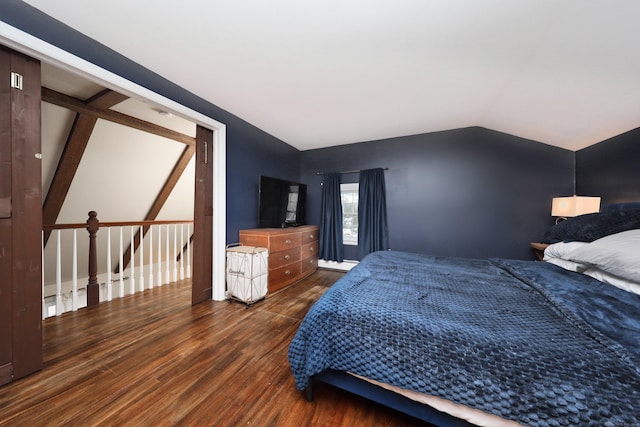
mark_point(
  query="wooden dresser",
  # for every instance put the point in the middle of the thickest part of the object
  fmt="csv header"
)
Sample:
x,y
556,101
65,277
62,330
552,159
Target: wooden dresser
x,y
293,252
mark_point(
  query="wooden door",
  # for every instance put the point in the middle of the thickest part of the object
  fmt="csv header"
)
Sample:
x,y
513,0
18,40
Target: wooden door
x,y
202,278
20,217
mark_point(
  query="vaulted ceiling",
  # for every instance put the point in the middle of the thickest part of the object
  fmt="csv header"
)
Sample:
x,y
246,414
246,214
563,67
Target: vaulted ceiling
x,y
322,73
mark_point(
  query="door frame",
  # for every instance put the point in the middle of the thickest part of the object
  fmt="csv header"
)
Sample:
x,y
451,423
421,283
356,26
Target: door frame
x,y
29,45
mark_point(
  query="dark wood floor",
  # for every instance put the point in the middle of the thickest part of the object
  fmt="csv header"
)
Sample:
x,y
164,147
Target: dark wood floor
x,y
152,359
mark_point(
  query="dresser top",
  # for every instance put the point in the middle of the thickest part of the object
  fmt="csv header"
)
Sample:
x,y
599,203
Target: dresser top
x,y
275,231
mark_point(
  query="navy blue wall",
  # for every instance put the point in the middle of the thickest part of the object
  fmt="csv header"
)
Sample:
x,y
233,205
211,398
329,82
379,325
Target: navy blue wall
x,y
251,152
468,192
611,169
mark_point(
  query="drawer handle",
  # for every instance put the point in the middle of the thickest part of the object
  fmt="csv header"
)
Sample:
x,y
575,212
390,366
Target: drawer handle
x,y
287,257
287,273
311,236
288,241
311,249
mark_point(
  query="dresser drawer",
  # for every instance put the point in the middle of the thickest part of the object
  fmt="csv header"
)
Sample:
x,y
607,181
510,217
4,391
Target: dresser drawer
x,y
284,242
308,265
284,275
257,240
309,250
308,236
278,259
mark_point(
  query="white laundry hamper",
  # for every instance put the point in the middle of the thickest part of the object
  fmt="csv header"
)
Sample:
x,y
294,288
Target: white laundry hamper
x,y
247,273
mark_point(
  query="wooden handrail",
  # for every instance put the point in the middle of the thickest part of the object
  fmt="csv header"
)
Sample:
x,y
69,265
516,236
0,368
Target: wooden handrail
x,y
46,227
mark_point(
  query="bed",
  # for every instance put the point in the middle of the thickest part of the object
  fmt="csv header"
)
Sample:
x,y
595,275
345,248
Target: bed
x,y
493,342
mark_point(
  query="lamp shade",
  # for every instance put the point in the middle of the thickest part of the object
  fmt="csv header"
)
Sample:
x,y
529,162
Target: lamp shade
x,y
574,206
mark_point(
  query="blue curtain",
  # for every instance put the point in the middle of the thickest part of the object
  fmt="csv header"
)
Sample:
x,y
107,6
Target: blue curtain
x,y
331,248
373,233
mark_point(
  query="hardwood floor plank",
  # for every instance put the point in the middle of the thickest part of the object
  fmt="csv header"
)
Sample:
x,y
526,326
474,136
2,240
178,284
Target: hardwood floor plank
x,y
153,359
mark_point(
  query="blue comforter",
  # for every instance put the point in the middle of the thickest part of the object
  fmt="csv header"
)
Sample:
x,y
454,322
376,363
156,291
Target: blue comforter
x,y
523,340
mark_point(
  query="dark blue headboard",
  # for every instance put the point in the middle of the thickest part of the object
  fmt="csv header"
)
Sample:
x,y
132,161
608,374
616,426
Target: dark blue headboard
x,y
612,218
619,206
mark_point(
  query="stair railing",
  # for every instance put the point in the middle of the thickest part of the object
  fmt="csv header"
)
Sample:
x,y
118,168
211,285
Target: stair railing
x,y
62,287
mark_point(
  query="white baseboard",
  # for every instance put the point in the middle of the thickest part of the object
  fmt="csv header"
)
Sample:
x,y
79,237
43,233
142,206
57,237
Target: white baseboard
x,y
345,265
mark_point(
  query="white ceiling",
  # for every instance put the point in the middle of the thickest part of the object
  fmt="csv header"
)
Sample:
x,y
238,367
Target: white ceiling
x,y
322,73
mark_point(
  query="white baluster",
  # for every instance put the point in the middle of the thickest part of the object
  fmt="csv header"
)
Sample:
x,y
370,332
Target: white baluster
x,y
188,250
59,307
181,253
175,252
159,282
141,258
67,302
167,273
120,260
150,257
132,261
74,272
109,289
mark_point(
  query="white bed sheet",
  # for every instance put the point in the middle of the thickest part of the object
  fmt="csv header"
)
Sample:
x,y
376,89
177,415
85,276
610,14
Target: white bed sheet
x,y
560,254
474,416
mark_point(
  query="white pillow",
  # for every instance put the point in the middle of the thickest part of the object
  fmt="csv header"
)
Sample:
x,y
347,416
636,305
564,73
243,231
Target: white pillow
x,y
617,254
560,249
567,265
556,252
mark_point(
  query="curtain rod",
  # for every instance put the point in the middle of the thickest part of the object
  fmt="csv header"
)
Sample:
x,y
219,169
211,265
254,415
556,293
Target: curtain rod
x,y
353,171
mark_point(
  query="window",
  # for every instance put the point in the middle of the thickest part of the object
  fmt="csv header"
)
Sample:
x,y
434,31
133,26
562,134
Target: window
x,y
292,204
349,198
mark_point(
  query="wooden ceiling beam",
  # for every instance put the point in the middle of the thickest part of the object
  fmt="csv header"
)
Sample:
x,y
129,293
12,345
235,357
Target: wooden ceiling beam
x,y
53,97
165,192
74,147
106,99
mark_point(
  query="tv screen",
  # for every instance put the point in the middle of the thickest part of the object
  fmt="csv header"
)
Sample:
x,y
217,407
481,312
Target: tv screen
x,y
282,203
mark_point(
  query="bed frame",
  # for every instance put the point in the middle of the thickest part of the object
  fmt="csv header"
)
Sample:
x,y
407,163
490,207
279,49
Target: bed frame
x,y
359,387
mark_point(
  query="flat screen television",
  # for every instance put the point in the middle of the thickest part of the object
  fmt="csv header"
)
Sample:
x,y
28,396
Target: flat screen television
x,y
282,203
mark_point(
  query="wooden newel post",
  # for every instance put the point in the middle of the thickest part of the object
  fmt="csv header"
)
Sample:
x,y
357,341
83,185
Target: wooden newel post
x,y
93,288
